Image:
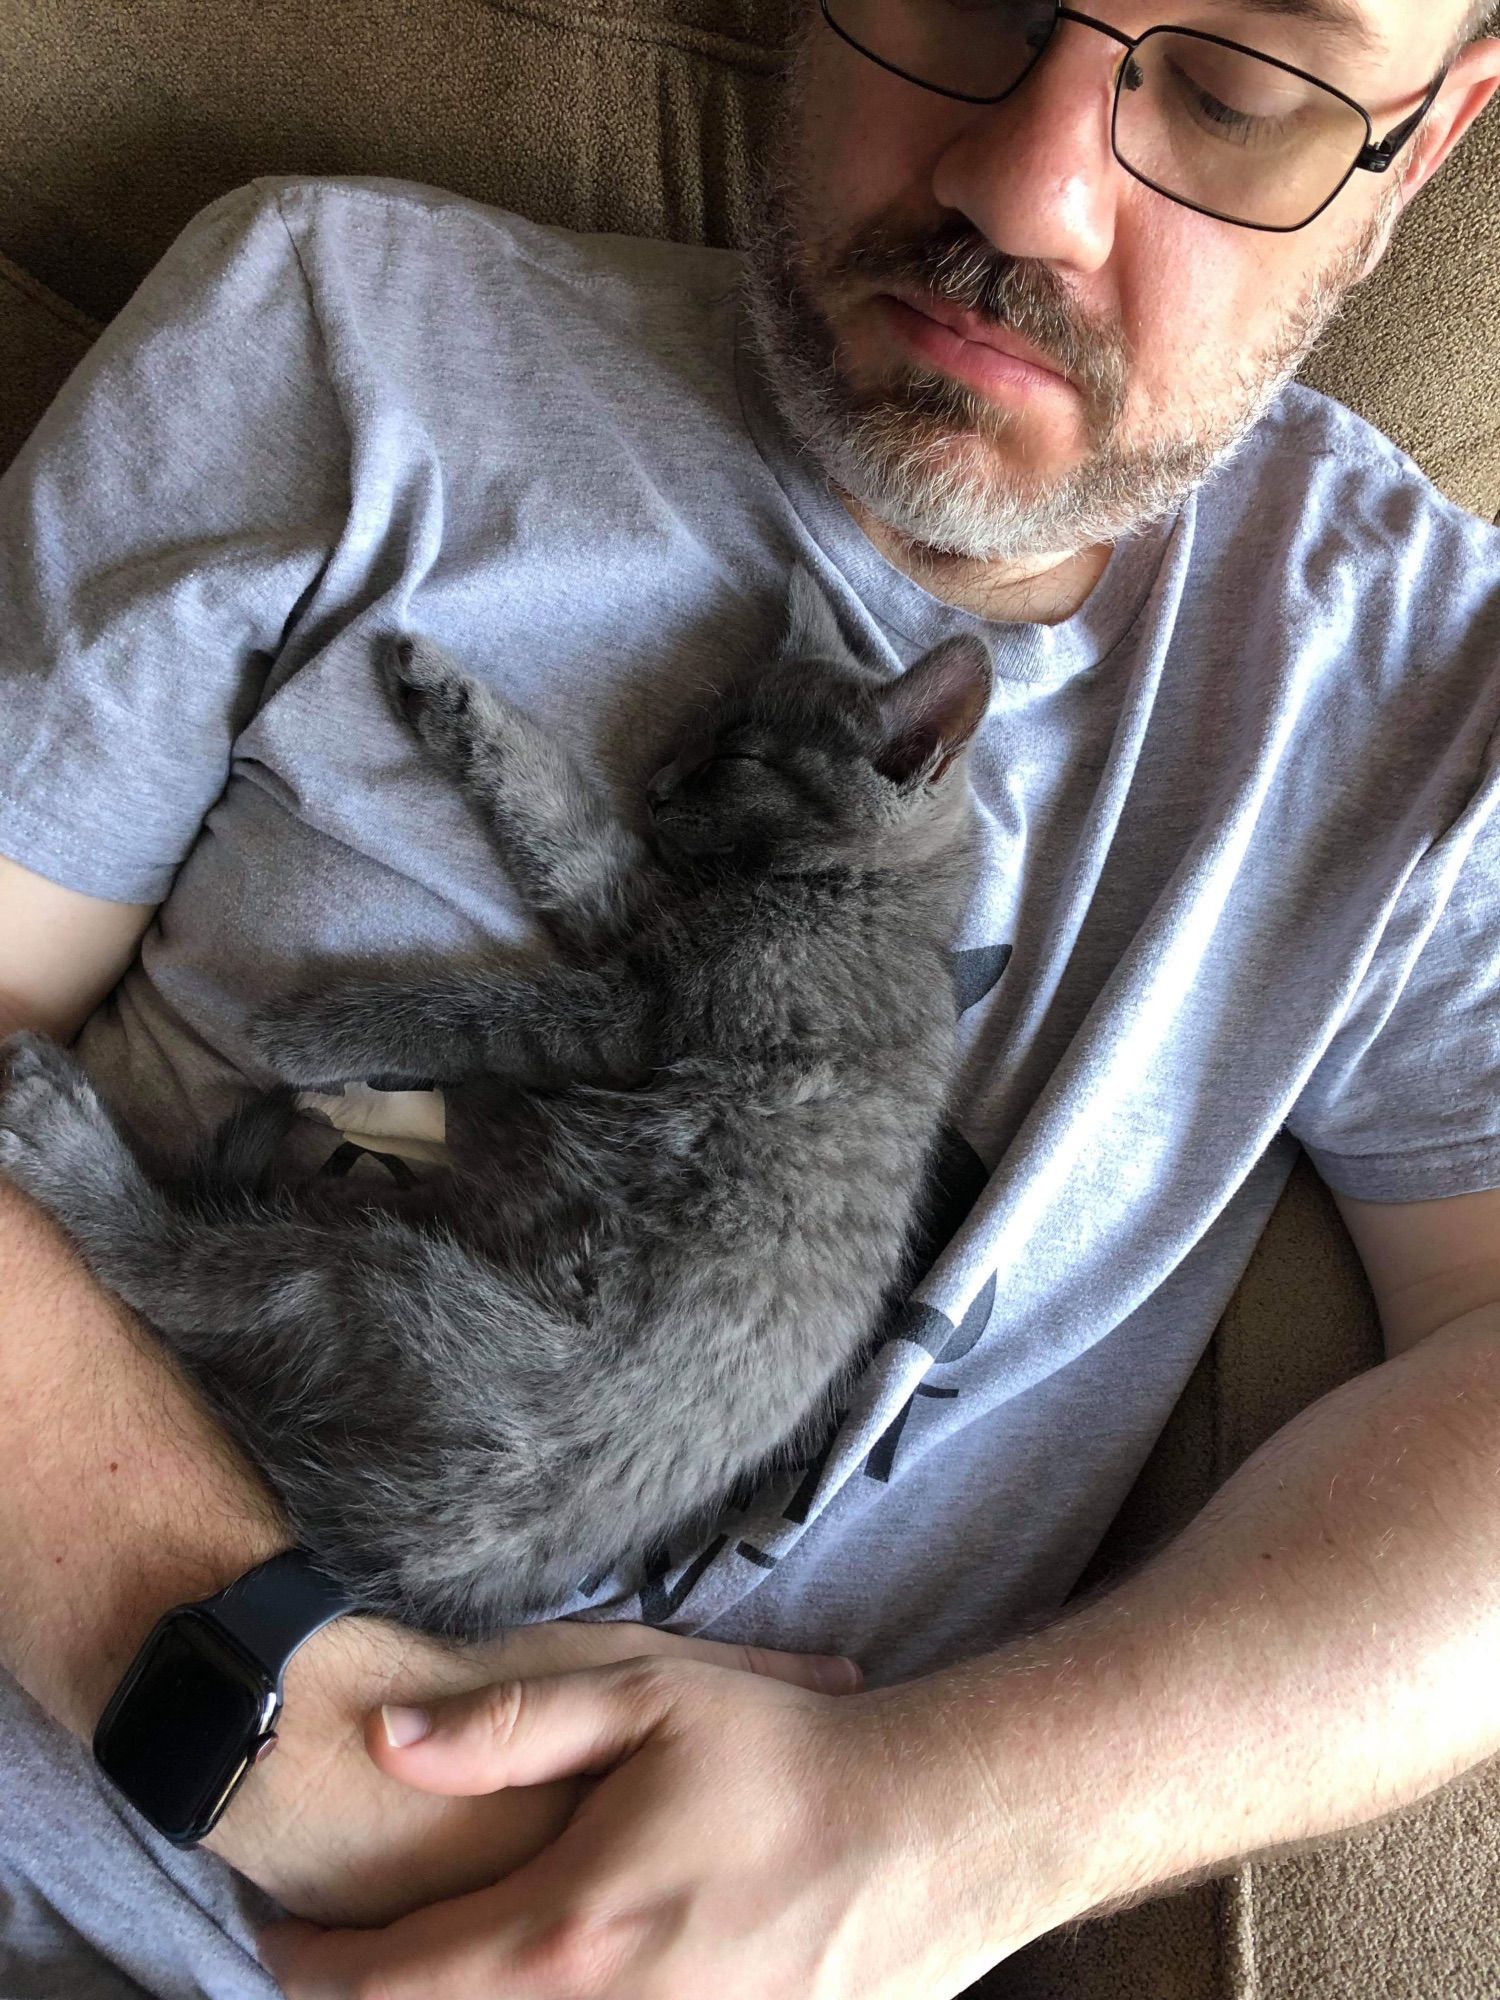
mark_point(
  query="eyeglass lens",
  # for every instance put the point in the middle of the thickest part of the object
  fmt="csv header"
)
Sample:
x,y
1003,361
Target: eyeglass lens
x,y
1215,127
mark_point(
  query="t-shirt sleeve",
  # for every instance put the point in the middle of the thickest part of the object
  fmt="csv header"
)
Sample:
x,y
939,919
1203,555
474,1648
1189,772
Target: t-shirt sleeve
x,y
1404,1102
157,531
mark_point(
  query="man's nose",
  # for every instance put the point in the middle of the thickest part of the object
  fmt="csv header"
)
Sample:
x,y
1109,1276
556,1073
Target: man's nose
x,y
1036,173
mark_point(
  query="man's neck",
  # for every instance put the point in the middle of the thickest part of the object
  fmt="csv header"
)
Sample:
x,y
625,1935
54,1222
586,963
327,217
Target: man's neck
x,y
1041,590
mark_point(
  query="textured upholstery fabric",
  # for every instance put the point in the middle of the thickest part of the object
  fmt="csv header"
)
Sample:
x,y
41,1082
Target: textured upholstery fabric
x,y
119,121
40,339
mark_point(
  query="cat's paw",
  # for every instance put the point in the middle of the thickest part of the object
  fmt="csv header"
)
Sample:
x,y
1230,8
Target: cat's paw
x,y
291,1037
431,695
52,1125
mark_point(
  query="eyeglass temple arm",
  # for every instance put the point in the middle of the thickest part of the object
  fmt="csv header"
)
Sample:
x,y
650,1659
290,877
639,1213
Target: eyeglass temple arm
x,y
1376,158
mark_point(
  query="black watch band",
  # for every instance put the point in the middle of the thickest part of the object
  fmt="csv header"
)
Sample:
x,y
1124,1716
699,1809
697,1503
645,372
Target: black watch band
x,y
198,1705
274,1608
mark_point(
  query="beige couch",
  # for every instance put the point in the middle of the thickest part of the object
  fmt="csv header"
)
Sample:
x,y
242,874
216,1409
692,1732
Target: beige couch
x,y
118,122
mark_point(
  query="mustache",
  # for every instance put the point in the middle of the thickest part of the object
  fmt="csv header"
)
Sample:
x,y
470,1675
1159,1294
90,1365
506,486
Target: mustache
x,y
958,267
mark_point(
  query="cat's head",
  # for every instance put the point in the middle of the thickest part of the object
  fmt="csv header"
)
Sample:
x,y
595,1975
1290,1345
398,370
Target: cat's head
x,y
815,761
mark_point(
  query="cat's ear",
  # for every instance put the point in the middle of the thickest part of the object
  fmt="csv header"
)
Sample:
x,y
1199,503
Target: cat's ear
x,y
932,711
811,623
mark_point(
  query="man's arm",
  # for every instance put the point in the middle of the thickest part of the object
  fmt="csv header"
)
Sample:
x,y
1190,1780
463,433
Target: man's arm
x,y
60,952
1315,1651
78,1499
121,1498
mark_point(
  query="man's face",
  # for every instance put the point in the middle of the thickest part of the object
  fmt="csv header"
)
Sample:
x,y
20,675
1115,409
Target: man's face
x,y
1165,332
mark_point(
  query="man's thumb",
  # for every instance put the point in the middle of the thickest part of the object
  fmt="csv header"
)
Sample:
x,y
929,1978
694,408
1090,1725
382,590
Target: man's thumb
x,y
526,1732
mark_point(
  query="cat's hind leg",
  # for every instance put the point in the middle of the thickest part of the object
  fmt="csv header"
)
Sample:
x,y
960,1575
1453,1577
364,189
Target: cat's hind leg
x,y
579,868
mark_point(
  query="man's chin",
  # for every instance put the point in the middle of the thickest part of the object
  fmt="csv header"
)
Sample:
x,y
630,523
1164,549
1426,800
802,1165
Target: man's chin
x,y
997,519
955,491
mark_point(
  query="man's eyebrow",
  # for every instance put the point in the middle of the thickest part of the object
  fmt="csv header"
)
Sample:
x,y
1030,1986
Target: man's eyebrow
x,y
1340,17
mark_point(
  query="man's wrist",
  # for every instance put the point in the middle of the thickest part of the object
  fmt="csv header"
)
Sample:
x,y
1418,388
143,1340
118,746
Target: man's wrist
x,y
1026,1805
328,1834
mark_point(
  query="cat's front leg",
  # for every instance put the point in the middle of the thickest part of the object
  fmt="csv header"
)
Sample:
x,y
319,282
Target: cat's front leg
x,y
364,1028
561,1024
579,868
61,1147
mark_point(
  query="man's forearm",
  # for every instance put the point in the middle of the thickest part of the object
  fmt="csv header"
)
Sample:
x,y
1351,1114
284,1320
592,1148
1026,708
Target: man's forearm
x,y
119,1498
1316,1650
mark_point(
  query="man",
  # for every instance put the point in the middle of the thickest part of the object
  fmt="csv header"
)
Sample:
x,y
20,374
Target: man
x,y
1026,280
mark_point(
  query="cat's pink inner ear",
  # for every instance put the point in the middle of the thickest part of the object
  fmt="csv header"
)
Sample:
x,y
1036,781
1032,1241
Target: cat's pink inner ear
x,y
933,710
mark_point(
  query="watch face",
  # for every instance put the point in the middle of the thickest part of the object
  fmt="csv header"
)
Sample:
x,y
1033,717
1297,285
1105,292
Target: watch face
x,y
181,1729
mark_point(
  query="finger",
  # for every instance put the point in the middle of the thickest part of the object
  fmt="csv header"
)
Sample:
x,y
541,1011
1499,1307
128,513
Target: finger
x,y
454,1949
523,1732
519,1939
595,1642
826,1673
284,1952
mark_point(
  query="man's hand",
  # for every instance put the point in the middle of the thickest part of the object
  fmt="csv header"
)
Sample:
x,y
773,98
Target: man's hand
x,y
332,1837
747,1839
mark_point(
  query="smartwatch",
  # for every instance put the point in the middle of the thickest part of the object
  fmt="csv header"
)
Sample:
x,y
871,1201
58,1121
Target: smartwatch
x,y
198,1704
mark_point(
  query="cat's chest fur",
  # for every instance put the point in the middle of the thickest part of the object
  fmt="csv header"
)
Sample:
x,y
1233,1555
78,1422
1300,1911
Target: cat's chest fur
x,y
840,963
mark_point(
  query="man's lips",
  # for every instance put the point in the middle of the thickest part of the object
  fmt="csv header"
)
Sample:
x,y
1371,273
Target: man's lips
x,y
989,357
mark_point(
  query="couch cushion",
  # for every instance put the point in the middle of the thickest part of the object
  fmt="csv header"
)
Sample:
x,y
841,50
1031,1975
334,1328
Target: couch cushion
x,y
119,123
637,119
1417,348
41,337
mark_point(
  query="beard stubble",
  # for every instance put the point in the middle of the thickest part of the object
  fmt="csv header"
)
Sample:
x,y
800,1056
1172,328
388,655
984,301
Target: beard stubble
x,y
936,462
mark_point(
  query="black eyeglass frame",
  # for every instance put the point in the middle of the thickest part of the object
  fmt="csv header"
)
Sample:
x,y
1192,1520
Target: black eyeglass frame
x,y
1374,157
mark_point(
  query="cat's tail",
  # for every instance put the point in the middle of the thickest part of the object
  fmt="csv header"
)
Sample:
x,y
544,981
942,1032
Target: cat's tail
x,y
239,1154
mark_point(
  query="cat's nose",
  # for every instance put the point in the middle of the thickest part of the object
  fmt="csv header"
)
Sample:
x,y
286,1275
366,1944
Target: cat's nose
x,y
660,788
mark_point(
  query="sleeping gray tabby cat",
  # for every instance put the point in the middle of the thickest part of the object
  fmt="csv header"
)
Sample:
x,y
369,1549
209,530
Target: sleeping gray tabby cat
x,y
686,1149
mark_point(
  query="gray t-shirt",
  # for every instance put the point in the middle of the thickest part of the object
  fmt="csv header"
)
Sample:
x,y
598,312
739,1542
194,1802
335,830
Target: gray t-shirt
x,y
1239,890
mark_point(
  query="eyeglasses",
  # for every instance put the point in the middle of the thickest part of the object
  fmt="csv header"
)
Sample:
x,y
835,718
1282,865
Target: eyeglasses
x,y
1206,122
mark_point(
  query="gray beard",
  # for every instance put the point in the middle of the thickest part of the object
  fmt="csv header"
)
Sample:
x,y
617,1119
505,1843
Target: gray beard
x,y
919,450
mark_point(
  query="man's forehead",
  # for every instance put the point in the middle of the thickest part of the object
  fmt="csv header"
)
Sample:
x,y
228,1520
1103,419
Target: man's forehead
x,y
1374,29
1355,24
